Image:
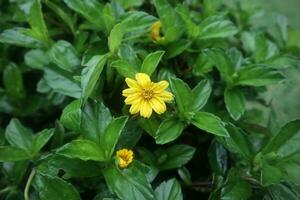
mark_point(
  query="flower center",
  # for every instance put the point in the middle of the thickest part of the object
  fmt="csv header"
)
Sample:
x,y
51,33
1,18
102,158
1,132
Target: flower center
x,y
147,94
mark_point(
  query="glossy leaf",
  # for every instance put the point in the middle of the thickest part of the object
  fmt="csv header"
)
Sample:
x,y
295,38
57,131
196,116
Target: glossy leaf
x,y
169,130
169,190
235,102
151,62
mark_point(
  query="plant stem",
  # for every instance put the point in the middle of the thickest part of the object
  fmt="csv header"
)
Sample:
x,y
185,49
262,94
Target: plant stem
x,y
28,183
7,189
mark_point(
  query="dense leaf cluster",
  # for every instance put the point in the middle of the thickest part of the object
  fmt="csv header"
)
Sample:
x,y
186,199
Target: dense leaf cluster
x,y
63,117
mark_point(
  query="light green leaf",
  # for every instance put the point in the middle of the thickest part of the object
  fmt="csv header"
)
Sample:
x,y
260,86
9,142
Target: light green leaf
x,y
169,190
216,27
90,74
109,138
183,94
83,150
201,93
124,68
36,59
235,102
64,55
12,154
286,142
270,175
209,123
130,3
151,61
115,37
71,116
257,75
169,130
17,37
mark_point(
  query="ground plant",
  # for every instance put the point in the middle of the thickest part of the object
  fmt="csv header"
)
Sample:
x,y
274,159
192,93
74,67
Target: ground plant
x,y
147,100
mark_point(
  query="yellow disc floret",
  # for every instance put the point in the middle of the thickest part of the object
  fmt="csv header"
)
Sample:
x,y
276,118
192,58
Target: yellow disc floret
x,y
155,32
145,96
124,157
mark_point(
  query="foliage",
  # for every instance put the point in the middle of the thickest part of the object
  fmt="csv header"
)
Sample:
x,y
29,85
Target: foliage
x,y
63,117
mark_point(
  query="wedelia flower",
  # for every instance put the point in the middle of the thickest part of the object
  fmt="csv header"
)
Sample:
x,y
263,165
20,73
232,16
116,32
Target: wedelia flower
x,y
145,96
155,32
124,157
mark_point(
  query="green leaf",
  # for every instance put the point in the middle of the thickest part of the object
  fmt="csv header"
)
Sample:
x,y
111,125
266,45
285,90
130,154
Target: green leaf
x,y
13,81
17,37
62,82
169,190
115,37
132,179
185,175
282,191
83,150
71,116
54,188
62,14
169,130
201,93
209,123
257,75
89,9
130,3
172,25
177,156
218,158
91,73
64,55
109,138
36,59
12,154
216,27
124,68
235,102
151,61
176,48
235,188
41,139
95,118
222,61
192,28
270,175
238,142
286,142
37,23
183,94
19,136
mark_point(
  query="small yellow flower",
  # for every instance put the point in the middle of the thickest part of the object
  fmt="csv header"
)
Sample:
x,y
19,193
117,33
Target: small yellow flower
x,y
125,157
155,32
144,95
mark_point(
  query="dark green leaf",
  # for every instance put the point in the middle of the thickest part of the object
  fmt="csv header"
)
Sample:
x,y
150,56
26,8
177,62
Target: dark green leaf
x,y
124,68
201,93
71,116
270,175
54,188
12,154
13,81
177,156
116,36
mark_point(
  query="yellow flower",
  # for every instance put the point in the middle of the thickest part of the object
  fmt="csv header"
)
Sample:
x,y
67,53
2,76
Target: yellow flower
x,y
155,32
144,95
125,157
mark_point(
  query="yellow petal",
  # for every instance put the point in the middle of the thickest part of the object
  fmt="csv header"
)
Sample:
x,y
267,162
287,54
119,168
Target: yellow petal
x,y
158,105
133,98
165,96
143,79
132,83
129,91
160,86
134,108
145,109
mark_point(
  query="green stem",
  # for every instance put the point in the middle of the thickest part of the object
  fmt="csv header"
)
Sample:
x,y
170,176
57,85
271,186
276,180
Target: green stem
x,y
7,189
28,183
